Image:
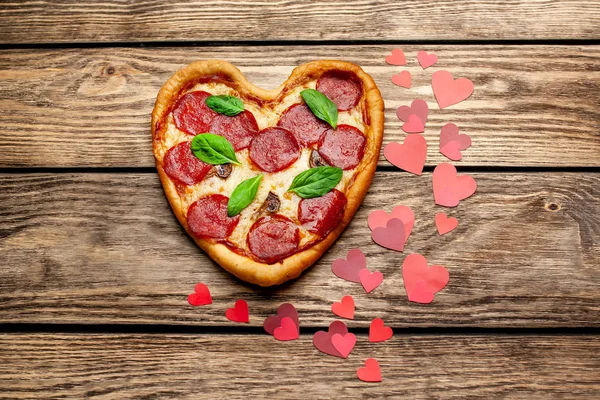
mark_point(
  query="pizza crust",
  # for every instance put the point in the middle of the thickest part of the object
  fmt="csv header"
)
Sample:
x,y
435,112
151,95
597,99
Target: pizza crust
x,y
291,267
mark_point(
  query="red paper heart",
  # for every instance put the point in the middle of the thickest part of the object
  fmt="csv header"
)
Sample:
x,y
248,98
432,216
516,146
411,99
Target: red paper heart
x,y
403,79
413,125
418,107
420,294
343,343
449,133
392,236
201,296
378,332
452,150
370,280
380,218
239,313
274,321
448,188
349,268
345,308
396,58
426,60
371,372
444,223
322,339
448,91
287,331
409,156
415,269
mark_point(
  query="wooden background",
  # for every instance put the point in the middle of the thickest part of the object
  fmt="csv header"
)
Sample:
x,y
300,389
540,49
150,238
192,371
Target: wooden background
x,y
95,270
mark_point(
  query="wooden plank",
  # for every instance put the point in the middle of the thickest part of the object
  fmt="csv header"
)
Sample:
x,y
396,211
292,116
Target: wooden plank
x,y
125,366
105,248
118,21
532,106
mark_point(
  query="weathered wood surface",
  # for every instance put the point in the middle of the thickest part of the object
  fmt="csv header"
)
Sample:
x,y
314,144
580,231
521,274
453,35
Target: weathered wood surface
x,y
105,248
126,366
125,21
532,106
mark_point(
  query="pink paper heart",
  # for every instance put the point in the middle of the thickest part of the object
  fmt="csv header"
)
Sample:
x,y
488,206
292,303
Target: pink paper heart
x,y
450,133
343,344
274,321
287,331
349,268
370,280
452,150
201,296
344,308
426,60
418,107
413,125
322,339
448,188
379,218
396,58
403,79
239,312
445,224
419,294
392,236
448,91
371,372
409,156
378,332
415,269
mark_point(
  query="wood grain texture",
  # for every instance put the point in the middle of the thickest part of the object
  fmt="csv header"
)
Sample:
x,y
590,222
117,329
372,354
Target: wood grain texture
x,y
105,248
125,21
127,366
532,106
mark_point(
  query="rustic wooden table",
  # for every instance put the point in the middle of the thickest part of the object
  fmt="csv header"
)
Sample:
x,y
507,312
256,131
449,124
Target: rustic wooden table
x,y
95,270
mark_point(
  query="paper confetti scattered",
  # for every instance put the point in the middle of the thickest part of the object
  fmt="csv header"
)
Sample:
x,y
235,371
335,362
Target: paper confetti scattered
x,y
403,79
371,372
345,308
426,60
350,268
286,310
452,143
396,58
409,156
343,343
445,224
393,236
287,331
239,313
418,107
448,188
413,125
448,91
201,296
420,281
379,218
378,332
322,339
370,280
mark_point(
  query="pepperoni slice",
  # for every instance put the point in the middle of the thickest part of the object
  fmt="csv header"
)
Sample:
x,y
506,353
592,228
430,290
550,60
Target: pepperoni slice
x,y
183,166
343,147
322,214
306,128
274,149
207,217
191,114
342,87
239,130
273,238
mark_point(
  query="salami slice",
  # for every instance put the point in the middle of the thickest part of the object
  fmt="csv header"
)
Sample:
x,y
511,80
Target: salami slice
x,y
182,166
274,149
342,87
306,128
191,114
322,214
343,147
273,238
239,130
207,217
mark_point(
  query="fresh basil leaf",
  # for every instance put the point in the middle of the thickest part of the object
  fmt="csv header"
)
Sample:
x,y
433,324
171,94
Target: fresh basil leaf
x,y
321,106
228,105
242,195
213,149
316,182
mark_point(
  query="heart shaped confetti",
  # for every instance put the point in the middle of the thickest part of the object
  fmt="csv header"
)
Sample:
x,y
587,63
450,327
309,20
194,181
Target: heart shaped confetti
x,y
392,236
380,218
448,91
445,224
413,125
371,372
430,279
343,343
418,107
403,79
409,156
426,60
239,313
378,332
370,280
201,296
396,58
322,339
448,188
286,310
345,308
452,150
452,143
350,268
287,331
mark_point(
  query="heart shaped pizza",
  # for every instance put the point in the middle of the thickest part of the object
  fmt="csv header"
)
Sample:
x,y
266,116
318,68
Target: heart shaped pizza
x,y
265,181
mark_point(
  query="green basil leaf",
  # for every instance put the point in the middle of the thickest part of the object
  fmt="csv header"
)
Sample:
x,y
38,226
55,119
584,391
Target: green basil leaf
x,y
228,105
321,106
213,149
316,182
242,195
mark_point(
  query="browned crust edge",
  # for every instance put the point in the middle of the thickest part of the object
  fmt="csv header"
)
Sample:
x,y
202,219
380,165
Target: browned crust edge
x,y
291,267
